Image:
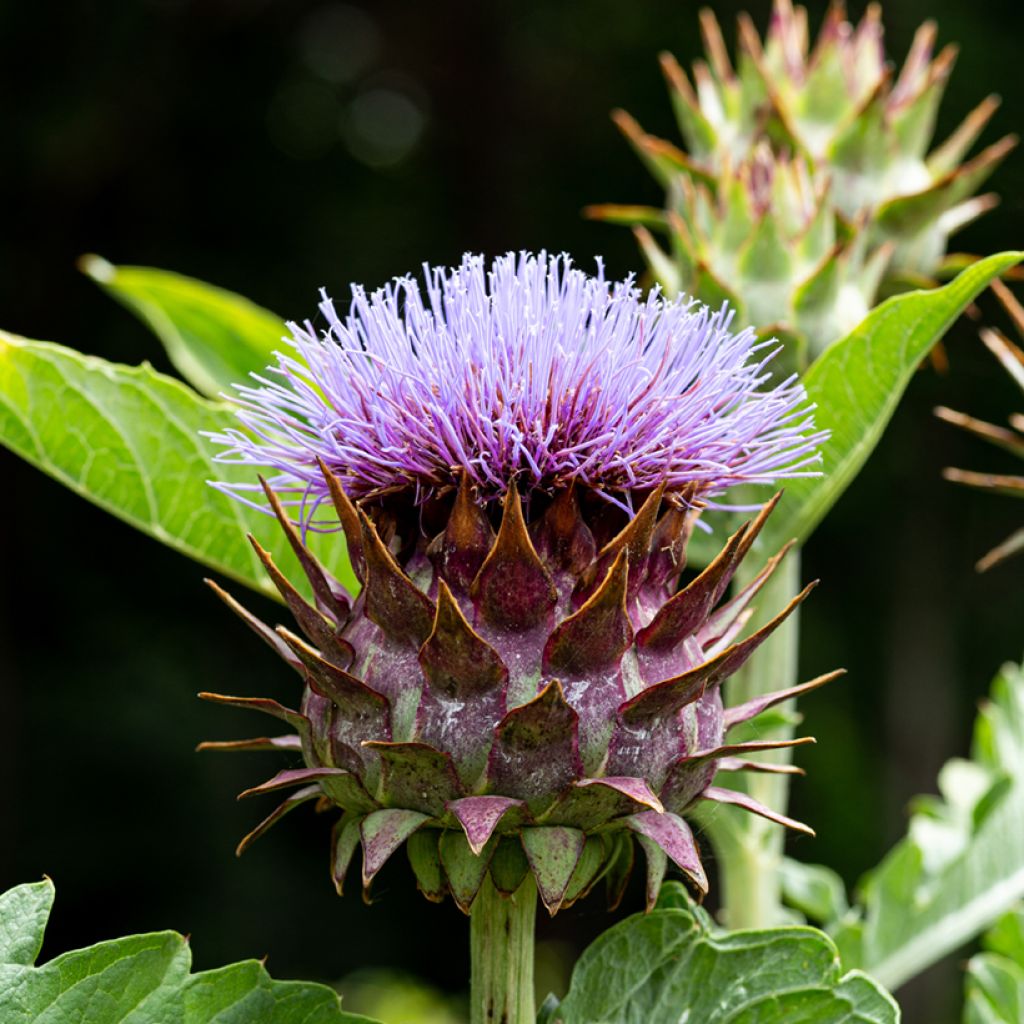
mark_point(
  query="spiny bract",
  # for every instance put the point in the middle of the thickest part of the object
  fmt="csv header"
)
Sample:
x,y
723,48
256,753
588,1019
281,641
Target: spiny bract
x,y
859,137
521,685
1012,440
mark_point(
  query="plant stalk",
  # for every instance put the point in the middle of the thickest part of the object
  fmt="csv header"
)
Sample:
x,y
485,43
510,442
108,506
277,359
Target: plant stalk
x,y
749,848
501,952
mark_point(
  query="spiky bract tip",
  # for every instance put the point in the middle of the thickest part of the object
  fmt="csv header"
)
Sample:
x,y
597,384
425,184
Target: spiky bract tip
x,y
525,695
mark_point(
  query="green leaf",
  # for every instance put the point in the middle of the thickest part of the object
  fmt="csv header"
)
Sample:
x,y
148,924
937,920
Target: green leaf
x,y
24,912
995,978
141,979
548,1012
128,439
995,991
962,863
1006,936
673,965
214,337
816,891
857,384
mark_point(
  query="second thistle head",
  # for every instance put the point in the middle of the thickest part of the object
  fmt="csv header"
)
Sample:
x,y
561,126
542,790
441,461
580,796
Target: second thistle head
x,y
517,453
862,137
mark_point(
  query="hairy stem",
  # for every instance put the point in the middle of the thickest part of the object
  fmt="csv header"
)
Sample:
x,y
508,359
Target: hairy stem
x,y
501,952
749,848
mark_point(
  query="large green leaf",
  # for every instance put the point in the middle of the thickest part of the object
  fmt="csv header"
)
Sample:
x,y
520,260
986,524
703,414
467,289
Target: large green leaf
x,y
962,863
673,965
141,979
128,439
995,978
858,382
214,337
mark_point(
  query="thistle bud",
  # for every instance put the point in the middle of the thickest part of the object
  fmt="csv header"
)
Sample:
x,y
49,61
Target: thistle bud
x,y
808,172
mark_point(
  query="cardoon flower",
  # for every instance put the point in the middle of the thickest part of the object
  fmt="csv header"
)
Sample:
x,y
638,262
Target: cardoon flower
x,y
517,454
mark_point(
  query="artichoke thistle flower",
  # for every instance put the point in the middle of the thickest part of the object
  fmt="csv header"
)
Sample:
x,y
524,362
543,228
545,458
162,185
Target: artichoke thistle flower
x,y
517,454
862,138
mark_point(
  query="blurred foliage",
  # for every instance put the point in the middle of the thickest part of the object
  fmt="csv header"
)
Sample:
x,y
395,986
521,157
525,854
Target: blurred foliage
x,y
248,145
995,977
398,998
954,873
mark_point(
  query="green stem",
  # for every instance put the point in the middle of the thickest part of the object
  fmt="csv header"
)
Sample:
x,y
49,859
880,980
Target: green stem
x,y
501,954
749,848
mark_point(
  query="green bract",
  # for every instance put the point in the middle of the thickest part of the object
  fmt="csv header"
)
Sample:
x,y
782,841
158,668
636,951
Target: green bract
x,y
808,173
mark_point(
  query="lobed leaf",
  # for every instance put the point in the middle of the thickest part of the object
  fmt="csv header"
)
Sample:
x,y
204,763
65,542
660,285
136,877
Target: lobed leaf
x,y
128,439
140,979
214,337
673,965
961,864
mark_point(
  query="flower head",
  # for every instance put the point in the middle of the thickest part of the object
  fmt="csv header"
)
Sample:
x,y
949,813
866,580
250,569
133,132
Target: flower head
x,y
521,687
529,370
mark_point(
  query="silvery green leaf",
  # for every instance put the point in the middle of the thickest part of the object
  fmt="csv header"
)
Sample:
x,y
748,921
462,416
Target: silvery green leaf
x,y
961,864
673,965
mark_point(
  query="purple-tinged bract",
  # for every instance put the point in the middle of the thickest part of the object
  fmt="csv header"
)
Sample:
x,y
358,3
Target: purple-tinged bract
x,y
524,684
527,370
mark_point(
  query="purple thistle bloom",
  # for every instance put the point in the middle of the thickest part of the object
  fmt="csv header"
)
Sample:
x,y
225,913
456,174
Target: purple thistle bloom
x,y
528,370
535,677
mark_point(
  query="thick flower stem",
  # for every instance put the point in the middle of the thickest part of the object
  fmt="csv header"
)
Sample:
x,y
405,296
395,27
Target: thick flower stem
x,y
501,952
749,848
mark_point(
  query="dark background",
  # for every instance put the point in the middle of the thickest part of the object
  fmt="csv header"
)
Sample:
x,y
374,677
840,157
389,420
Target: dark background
x,y
275,147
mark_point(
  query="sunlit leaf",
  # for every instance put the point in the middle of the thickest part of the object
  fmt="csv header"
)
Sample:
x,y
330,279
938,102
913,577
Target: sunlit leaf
x,y
858,382
214,337
995,978
128,439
